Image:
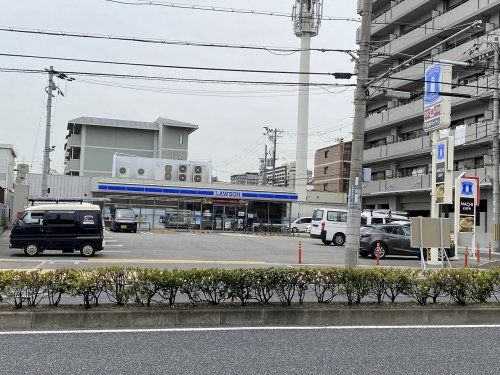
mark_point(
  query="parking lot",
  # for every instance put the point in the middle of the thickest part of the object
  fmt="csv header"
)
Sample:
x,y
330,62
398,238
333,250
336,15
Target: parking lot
x,y
201,250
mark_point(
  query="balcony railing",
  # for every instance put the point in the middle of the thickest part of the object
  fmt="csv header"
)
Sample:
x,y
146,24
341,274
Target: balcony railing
x,y
415,184
477,132
457,15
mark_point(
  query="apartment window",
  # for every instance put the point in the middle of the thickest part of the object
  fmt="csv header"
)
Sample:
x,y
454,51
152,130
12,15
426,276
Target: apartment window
x,y
346,170
325,170
345,186
326,153
325,187
347,154
181,139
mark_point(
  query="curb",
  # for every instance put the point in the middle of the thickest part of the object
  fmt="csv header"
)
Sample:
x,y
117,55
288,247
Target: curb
x,y
243,317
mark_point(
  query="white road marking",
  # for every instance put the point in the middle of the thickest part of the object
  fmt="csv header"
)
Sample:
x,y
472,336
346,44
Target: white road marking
x,y
111,240
113,245
272,328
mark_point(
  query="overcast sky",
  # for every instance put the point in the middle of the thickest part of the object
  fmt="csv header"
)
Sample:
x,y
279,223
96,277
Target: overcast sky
x,y
230,128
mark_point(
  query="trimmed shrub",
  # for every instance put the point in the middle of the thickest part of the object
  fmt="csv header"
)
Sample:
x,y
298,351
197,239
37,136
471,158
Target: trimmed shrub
x,y
287,285
355,284
87,284
169,284
326,283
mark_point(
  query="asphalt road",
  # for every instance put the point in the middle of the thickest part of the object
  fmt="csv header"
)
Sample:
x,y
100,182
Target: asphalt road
x,y
422,350
188,250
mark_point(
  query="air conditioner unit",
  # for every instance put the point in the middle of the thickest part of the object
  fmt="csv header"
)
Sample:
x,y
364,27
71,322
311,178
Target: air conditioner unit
x,y
123,172
142,172
389,139
388,173
168,172
182,177
198,173
182,168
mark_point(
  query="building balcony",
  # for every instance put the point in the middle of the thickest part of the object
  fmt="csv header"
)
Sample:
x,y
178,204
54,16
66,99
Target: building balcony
x,y
437,26
74,140
417,71
401,150
72,165
404,11
414,110
397,150
416,184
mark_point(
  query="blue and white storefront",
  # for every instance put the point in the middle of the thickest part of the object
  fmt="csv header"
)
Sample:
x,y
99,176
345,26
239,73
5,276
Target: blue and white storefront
x,y
197,205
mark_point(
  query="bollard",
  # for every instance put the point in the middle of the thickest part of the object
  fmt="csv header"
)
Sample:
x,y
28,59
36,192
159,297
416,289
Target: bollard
x,y
478,256
300,252
466,257
490,253
377,253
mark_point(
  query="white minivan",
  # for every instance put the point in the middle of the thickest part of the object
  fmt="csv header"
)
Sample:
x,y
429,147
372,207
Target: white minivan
x,y
329,225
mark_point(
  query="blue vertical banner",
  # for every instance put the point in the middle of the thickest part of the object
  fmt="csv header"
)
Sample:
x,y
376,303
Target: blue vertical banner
x,y
437,108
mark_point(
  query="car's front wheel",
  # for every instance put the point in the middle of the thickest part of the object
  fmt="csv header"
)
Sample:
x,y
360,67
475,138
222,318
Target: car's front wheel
x,y
31,249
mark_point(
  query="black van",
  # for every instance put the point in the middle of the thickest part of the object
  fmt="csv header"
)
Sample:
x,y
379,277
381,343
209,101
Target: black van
x,y
59,227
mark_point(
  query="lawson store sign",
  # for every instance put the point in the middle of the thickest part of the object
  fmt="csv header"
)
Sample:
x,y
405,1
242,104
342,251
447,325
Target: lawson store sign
x,y
196,193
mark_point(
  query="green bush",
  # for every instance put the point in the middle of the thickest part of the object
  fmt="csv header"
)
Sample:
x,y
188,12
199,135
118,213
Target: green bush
x,y
122,285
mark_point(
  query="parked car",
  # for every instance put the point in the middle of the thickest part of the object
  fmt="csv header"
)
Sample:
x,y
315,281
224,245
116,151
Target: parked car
x,y
382,217
329,225
59,227
394,239
300,224
123,219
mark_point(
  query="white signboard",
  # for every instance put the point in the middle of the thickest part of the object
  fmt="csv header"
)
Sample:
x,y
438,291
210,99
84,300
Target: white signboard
x,y
437,108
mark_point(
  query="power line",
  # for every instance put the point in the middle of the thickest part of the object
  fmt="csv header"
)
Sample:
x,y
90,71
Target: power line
x,y
215,93
137,39
223,9
201,68
175,79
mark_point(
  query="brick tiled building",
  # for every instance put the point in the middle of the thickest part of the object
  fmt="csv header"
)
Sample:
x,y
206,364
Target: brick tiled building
x,y
332,166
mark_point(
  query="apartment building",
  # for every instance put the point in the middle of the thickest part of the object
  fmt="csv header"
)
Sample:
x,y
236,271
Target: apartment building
x,y
397,151
247,178
284,175
91,142
332,166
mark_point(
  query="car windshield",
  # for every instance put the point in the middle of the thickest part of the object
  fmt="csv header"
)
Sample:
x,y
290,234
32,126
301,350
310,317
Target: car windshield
x,y
318,215
125,214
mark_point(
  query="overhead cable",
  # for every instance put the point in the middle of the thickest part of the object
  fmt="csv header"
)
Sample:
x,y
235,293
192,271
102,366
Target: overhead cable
x,y
165,41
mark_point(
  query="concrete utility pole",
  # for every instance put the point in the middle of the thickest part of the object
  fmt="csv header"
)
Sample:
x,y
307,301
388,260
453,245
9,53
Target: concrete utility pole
x,y
264,169
496,156
46,151
273,135
306,20
358,136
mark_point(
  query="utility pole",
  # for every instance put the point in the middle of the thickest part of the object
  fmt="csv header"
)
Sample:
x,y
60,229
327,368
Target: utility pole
x,y
358,135
273,135
46,151
496,156
264,169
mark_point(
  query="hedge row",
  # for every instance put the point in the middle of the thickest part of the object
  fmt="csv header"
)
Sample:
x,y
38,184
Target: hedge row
x,y
147,285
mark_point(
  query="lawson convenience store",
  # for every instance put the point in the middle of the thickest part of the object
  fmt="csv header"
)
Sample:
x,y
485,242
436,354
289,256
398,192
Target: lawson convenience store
x,y
189,205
